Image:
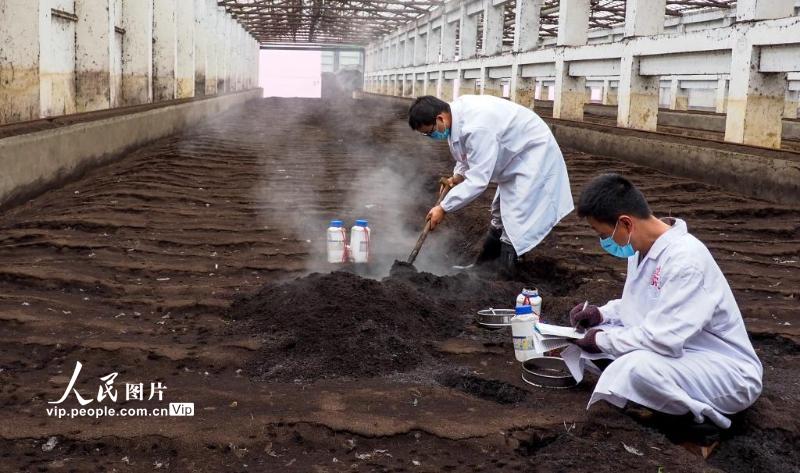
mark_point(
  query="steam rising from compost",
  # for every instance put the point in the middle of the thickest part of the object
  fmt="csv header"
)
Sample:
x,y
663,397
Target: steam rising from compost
x,y
393,195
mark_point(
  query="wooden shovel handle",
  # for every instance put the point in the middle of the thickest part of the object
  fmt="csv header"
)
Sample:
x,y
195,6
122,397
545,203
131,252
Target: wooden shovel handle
x,y
443,188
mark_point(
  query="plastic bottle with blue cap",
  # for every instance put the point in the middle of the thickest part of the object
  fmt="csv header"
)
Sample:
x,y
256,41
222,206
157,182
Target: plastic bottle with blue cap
x,y
337,242
532,298
523,325
360,242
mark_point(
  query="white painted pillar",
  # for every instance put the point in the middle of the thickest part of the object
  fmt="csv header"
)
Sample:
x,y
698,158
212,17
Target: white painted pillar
x,y
448,40
201,42
749,10
214,26
137,52
755,100
420,47
468,34
570,93
439,80
165,49
638,97
409,50
722,95
527,22
791,104
94,37
605,93
678,98
19,60
492,28
522,88
434,43
185,62
644,17
573,22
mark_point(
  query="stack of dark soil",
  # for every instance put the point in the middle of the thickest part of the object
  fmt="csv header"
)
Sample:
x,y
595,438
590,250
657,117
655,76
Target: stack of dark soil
x,y
339,324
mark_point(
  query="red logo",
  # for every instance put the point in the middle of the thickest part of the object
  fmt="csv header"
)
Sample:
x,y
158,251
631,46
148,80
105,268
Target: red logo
x,y
656,278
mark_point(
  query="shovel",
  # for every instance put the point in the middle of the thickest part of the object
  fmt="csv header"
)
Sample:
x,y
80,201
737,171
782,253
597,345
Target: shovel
x,y
443,188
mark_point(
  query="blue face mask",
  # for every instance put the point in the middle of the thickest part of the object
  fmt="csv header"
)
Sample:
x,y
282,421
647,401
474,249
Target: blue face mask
x,y
440,135
615,249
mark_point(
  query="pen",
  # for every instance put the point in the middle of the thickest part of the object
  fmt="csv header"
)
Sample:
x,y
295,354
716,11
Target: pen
x,y
585,305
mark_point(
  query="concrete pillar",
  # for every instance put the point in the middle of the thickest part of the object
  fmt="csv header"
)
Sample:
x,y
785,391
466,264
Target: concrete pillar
x,y
722,95
214,26
449,40
19,60
573,22
678,97
467,87
644,17
409,50
56,45
612,96
605,92
522,88
98,55
408,86
570,93
439,84
137,52
201,42
420,48
493,87
165,49
527,21
755,101
468,34
544,92
185,65
791,104
434,43
493,18
749,10
447,89
638,97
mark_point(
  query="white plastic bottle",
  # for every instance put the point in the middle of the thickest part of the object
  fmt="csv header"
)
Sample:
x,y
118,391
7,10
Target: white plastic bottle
x,y
359,242
532,298
523,325
337,241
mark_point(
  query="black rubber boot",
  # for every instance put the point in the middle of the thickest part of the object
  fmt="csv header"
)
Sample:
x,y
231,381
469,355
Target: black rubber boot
x,y
508,257
491,247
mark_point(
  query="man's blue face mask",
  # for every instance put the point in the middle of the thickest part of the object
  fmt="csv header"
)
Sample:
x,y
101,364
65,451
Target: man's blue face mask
x,y
615,249
440,135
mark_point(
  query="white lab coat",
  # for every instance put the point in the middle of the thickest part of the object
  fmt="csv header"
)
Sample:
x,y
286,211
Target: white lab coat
x,y
677,336
494,140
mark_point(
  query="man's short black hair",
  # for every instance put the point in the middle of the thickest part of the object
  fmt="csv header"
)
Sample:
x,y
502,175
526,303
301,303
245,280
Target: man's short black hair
x,y
424,110
608,196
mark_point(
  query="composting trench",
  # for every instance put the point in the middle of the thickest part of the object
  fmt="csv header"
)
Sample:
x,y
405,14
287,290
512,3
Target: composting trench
x,y
177,263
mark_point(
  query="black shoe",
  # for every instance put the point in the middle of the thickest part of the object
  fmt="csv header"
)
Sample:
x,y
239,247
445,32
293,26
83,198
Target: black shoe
x,y
491,247
508,257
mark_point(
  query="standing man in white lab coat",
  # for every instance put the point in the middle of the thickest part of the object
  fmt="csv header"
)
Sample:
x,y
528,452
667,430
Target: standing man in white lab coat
x,y
494,140
676,336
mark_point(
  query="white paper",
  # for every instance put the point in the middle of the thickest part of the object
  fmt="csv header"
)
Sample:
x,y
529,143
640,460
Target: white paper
x,y
558,331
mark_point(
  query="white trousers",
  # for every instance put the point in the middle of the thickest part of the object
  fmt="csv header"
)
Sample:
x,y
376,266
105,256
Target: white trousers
x,y
497,217
706,384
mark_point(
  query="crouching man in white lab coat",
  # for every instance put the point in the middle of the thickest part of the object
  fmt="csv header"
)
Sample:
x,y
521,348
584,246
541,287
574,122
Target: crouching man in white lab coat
x,y
494,140
676,336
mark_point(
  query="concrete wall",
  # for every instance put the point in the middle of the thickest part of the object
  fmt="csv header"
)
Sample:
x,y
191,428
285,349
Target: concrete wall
x,y
33,162
59,57
767,174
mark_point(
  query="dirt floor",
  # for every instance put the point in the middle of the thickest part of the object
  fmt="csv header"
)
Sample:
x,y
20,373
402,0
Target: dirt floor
x,y
177,265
